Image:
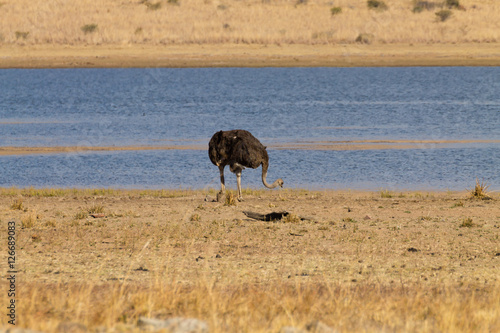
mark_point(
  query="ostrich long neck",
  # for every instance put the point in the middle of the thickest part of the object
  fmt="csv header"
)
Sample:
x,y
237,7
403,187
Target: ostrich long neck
x,y
264,176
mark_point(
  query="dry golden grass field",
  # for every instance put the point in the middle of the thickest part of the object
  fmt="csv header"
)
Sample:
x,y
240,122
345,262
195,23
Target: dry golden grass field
x,y
181,33
357,261
168,22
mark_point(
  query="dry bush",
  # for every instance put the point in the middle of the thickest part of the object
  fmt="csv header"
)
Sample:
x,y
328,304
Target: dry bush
x,y
336,10
95,209
467,223
17,204
419,6
28,220
480,191
291,218
377,4
444,14
81,215
89,28
195,218
230,199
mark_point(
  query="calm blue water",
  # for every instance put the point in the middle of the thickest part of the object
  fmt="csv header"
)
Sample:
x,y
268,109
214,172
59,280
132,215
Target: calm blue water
x,y
105,107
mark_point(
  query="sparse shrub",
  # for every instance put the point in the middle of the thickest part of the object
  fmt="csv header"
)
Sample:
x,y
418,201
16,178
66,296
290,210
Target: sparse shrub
x,y
22,34
50,223
153,6
377,4
95,209
230,199
479,191
365,38
221,7
138,31
17,204
301,2
452,3
443,14
174,2
386,194
28,221
467,223
89,28
81,215
335,10
419,6
323,34
458,204
290,218
195,218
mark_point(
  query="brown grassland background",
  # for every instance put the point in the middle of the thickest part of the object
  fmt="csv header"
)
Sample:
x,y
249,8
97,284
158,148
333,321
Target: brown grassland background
x,y
358,262
35,33
244,21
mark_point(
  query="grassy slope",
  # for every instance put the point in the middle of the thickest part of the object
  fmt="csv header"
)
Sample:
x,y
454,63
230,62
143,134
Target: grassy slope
x,y
248,21
244,33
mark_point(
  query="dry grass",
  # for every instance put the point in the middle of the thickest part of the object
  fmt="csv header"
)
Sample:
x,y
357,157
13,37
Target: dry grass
x,y
480,191
17,204
90,193
28,220
247,21
230,199
351,268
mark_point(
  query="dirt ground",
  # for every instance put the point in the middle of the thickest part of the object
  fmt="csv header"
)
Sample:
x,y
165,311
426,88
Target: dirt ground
x,y
247,55
420,240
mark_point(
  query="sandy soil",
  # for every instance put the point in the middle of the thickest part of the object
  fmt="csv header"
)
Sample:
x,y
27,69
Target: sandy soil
x,y
429,222
430,240
243,55
386,223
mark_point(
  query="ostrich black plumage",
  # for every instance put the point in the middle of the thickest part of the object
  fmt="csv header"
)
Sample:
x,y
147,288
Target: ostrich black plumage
x,y
239,149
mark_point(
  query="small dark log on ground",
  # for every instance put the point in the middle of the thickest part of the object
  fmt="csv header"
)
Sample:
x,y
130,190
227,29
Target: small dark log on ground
x,y
274,216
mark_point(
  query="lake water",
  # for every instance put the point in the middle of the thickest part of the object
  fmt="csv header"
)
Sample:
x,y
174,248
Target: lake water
x,y
120,107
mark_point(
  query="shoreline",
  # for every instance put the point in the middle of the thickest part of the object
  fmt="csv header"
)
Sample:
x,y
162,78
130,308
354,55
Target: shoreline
x,y
249,55
309,145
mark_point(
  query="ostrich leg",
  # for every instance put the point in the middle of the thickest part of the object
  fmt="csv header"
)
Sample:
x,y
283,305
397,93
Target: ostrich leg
x,y
238,182
237,168
222,185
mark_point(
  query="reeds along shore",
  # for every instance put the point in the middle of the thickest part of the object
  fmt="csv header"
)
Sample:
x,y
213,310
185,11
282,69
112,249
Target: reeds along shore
x,y
165,22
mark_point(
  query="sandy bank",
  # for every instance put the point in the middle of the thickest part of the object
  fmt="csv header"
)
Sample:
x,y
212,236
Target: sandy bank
x,y
243,55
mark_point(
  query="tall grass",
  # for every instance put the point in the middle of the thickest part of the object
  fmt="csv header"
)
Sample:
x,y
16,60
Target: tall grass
x,y
250,21
256,307
480,191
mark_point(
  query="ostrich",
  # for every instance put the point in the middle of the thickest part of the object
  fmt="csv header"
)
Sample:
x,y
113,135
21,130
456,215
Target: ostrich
x,y
240,149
